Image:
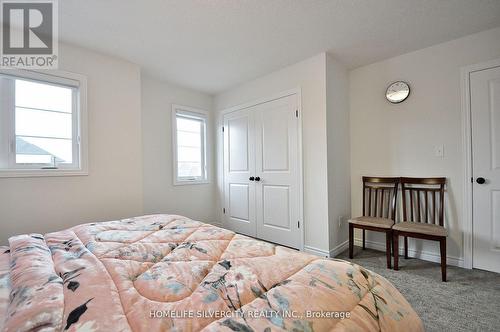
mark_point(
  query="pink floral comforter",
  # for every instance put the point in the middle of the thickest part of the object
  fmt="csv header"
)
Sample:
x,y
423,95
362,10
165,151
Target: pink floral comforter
x,y
171,273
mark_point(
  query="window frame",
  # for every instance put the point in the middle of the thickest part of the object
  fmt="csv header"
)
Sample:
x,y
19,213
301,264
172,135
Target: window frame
x,y
79,126
197,114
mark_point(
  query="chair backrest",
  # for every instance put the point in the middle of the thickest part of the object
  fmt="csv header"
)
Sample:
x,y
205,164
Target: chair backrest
x,y
379,196
423,200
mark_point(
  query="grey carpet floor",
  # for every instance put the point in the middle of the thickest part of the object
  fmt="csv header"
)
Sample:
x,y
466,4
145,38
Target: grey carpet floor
x,y
468,301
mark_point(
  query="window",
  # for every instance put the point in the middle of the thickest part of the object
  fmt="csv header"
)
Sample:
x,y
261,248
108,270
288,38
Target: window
x,y
40,123
189,127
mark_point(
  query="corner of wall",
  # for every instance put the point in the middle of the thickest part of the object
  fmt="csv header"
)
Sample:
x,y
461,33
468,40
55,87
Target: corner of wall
x,y
159,193
338,149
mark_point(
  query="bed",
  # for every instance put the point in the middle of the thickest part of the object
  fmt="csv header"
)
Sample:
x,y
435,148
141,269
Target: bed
x,y
171,273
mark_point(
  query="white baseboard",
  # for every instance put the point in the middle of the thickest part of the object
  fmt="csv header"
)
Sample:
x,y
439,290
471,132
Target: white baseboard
x,y
324,253
340,248
423,255
316,251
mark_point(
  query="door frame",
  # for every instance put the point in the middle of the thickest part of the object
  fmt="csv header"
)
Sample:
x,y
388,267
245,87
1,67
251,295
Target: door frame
x,y
220,151
467,210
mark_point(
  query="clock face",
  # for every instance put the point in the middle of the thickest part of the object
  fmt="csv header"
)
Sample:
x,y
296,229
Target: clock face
x,y
397,92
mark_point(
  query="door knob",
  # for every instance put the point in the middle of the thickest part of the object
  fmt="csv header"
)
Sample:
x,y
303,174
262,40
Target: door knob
x,y
481,180
257,179
251,178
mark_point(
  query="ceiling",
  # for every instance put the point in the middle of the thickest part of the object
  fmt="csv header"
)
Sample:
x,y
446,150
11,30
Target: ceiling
x,y
212,45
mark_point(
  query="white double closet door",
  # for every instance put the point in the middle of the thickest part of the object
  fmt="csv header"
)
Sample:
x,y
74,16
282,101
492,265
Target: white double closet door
x,y
261,171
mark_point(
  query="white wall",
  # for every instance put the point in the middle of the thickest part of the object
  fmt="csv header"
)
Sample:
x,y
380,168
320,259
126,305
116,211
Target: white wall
x,y
339,181
310,76
160,195
399,139
113,188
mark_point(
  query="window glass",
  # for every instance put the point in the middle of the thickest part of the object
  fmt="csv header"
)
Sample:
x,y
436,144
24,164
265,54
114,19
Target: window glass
x,y
190,137
43,96
43,123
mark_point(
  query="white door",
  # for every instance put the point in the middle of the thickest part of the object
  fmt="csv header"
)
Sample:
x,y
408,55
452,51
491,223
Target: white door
x,y
485,109
239,166
261,171
277,166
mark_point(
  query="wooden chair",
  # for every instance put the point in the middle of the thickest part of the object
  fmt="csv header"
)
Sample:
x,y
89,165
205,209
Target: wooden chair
x,y
423,216
379,206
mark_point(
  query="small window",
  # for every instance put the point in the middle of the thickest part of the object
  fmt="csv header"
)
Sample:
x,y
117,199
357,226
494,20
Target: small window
x,y
189,145
40,124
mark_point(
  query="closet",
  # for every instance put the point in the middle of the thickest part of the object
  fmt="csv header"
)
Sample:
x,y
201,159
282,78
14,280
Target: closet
x,y
262,186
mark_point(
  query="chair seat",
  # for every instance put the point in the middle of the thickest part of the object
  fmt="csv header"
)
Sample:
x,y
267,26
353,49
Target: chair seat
x,y
420,228
385,223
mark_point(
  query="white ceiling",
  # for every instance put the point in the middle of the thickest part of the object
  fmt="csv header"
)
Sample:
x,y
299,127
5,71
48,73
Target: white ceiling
x,y
212,45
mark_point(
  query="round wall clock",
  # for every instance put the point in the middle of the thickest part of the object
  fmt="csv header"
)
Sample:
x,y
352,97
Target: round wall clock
x,y
397,92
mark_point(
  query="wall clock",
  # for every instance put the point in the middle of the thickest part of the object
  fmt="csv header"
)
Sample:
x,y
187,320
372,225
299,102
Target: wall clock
x,y
397,92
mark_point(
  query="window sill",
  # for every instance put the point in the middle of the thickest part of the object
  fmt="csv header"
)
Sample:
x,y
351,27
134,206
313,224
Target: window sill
x,y
186,183
34,173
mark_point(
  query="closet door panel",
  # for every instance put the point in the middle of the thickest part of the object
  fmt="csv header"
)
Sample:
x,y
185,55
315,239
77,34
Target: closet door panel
x,y
239,166
276,205
238,131
239,201
275,140
277,166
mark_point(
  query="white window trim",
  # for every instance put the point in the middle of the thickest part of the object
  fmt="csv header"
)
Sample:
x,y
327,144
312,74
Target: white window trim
x,y
65,78
198,113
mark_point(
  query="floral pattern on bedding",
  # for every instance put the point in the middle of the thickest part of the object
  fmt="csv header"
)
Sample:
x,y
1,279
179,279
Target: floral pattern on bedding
x,y
4,283
171,273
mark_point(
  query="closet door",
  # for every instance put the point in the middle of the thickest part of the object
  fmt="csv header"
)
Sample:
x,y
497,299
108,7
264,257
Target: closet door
x,y
239,167
485,109
277,168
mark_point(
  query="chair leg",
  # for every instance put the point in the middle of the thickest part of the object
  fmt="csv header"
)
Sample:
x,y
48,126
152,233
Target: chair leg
x,y
351,240
388,240
395,248
364,239
442,245
406,247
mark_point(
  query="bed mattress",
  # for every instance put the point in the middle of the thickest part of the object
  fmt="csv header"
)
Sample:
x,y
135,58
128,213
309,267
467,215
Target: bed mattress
x,y
171,273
